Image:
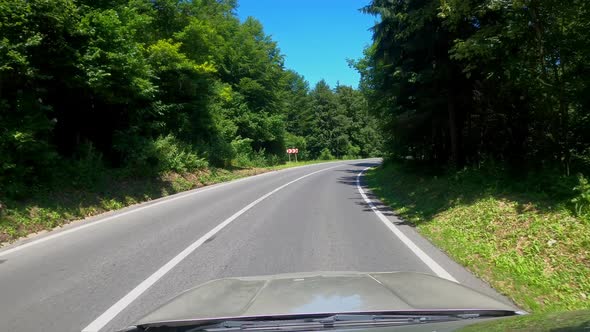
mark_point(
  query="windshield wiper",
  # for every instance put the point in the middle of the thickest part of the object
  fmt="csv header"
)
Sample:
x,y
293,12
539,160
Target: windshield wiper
x,y
368,317
320,321
339,320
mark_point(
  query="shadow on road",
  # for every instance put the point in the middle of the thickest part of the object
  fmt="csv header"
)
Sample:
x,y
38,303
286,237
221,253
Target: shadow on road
x,y
349,177
365,164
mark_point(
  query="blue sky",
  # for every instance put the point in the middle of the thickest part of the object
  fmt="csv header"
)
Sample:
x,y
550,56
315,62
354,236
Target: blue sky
x,y
316,36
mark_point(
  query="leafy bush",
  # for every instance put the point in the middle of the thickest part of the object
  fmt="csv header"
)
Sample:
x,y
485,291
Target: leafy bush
x,y
243,151
259,159
325,154
242,160
165,153
582,200
353,151
85,169
246,156
242,145
221,153
174,155
274,160
25,159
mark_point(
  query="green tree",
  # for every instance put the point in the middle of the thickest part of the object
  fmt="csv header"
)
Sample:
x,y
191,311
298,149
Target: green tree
x,y
462,81
153,86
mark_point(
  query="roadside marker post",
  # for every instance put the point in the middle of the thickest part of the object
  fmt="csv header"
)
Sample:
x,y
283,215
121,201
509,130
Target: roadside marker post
x,y
292,151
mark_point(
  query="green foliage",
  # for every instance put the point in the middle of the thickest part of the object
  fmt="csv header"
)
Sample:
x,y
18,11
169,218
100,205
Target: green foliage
x,y
244,152
460,84
247,157
274,160
173,155
582,199
325,154
86,169
163,154
339,120
457,82
221,153
146,87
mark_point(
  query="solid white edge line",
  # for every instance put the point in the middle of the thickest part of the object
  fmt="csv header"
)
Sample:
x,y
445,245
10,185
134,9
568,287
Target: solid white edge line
x,y
94,223
434,266
162,200
120,305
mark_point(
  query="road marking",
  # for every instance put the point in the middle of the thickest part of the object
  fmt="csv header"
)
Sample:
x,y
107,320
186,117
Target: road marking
x,y
161,201
98,222
116,308
434,266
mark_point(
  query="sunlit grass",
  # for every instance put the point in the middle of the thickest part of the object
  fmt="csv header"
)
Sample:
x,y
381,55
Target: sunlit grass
x,y
563,321
527,244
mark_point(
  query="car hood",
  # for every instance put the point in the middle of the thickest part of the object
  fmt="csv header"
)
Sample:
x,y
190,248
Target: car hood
x,y
319,293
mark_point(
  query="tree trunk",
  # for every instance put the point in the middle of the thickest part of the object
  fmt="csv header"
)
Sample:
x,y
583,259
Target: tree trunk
x,y
453,131
539,32
563,116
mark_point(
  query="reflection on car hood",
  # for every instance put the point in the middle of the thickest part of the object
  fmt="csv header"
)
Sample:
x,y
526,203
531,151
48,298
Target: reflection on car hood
x,y
320,292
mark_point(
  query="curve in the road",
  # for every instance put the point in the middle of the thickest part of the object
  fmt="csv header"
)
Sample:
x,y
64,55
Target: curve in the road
x,y
120,305
287,221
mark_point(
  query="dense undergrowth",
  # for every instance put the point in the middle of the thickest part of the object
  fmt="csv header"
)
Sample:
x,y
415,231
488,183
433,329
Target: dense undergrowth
x,y
521,234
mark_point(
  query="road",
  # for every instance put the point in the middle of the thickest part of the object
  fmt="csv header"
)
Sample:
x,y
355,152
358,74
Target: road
x,y
104,273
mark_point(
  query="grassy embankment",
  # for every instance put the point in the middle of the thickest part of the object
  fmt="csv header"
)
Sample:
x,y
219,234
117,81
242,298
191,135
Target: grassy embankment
x,y
570,321
520,235
48,209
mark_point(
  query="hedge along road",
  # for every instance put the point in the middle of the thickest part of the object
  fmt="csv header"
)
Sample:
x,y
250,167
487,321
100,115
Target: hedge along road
x,y
104,274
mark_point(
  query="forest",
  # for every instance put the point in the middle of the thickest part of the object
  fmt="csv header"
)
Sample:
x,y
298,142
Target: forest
x,y
150,87
468,82
484,108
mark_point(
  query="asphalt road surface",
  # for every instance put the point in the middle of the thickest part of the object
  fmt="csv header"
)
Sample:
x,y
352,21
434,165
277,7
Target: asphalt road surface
x,y
104,273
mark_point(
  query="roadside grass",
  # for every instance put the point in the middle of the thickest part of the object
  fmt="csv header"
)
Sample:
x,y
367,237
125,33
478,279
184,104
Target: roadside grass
x,y
114,190
570,321
290,164
517,234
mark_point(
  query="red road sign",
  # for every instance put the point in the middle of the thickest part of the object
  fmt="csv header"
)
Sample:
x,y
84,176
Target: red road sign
x,y
291,151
